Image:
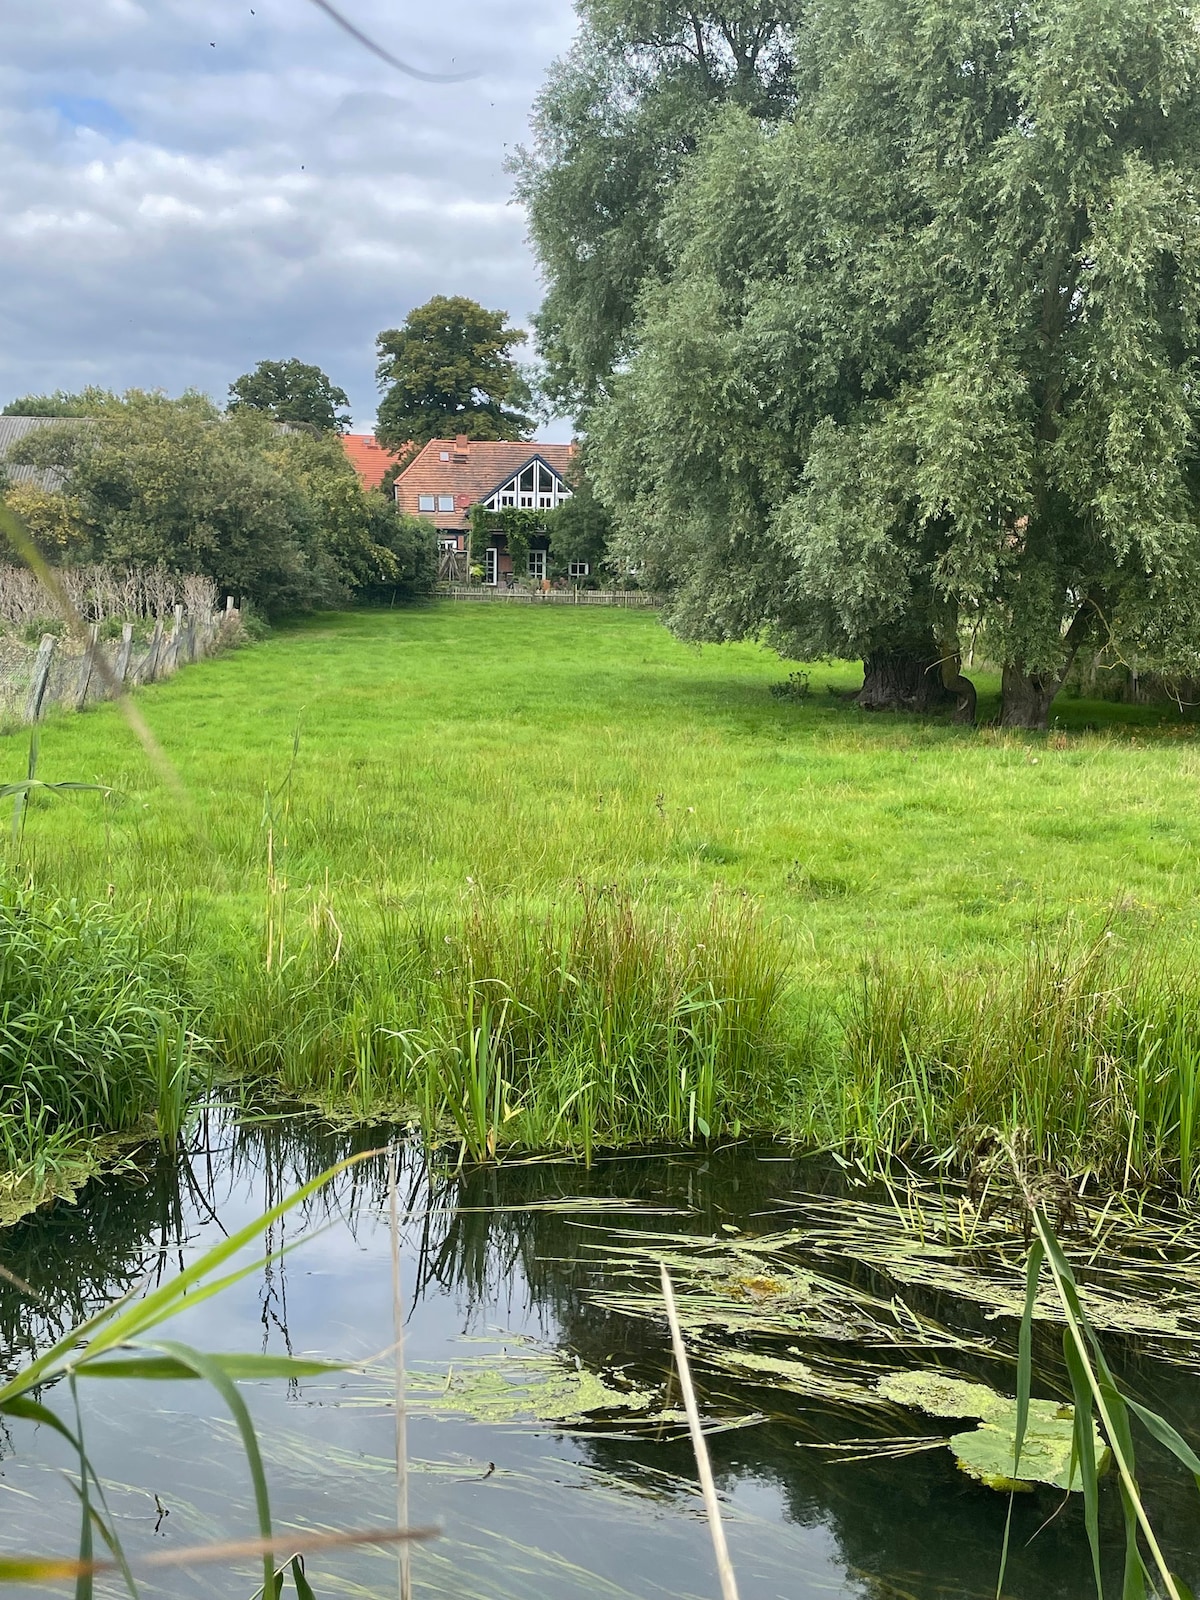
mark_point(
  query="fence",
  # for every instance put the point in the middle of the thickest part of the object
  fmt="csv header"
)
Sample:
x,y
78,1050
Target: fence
x,y
632,599
75,673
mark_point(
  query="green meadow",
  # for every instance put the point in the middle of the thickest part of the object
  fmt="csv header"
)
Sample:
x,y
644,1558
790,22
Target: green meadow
x,y
549,877
437,753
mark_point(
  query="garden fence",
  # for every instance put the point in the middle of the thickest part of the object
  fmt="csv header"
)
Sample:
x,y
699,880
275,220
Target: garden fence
x,y
633,599
74,673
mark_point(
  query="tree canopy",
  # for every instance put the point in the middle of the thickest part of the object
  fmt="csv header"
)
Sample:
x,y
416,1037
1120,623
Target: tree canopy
x,y
612,128
448,371
292,391
919,362
279,518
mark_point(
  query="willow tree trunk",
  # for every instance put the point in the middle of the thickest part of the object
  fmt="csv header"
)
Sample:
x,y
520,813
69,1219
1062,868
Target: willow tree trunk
x,y
903,680
1026,697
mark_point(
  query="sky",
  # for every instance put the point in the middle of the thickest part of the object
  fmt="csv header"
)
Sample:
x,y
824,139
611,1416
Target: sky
x,y
190,186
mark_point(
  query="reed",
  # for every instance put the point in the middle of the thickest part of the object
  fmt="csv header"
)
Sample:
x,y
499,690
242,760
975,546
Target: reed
x,y
1089,1054
90,1044
597,1023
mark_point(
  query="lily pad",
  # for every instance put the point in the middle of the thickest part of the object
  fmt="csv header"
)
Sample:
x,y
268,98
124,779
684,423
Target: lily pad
x,y
987,1453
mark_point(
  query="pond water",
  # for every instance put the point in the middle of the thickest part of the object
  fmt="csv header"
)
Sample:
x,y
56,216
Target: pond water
x,y
501,1266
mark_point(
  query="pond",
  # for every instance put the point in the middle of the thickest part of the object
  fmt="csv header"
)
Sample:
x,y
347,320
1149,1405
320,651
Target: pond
x,y
514,1277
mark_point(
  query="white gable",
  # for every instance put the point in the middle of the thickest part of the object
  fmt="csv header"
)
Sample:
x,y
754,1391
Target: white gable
x,y
536,487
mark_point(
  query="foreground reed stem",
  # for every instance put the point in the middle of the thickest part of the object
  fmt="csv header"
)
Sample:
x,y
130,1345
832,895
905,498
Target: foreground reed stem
x,y
708,1488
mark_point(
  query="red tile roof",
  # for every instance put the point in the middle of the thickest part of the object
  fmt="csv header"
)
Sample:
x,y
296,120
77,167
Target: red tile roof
x,y
368,458
471,471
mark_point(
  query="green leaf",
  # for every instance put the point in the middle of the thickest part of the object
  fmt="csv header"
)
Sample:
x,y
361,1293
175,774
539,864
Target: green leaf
x,y
303,1587
1166,1435
205,1367
234,1366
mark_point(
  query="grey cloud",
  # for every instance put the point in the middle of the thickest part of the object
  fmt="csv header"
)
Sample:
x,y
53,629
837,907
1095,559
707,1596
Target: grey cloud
x,y
285,195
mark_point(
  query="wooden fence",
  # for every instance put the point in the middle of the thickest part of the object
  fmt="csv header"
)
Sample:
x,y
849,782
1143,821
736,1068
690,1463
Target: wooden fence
x,y
632,599
73,673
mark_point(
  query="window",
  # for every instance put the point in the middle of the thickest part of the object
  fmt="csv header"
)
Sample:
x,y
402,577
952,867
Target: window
x,y
448,544
445,502
489,564
579,569
424,502
444,455
537,564
535,488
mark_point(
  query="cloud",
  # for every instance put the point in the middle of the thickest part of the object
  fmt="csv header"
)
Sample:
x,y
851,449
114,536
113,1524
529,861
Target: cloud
x,y
186,190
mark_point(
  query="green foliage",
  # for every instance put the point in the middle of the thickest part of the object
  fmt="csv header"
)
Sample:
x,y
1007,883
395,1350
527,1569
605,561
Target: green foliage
x,y
88,402
449,371
279,518
292,391
920,357
612,129
577,530
580,530
517,526
598,1024
89,1003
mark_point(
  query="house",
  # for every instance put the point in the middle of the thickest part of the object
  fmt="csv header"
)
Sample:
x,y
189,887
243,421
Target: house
x,y
13,429
450,476
368,458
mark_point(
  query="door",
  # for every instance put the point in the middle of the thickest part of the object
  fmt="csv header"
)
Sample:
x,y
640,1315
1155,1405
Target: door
x,y
489,564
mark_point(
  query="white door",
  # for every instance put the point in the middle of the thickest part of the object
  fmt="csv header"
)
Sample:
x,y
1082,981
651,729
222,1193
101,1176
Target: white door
x,y
537,564
489,564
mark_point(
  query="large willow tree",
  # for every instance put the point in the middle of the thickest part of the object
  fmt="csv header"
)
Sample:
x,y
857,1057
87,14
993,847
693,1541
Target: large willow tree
x,y
922,359
612,131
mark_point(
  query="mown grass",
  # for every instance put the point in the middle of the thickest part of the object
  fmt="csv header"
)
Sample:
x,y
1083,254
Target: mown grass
x,y
468,857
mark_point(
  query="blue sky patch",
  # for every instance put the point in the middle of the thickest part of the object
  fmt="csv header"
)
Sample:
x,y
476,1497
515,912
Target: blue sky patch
x,y
86,111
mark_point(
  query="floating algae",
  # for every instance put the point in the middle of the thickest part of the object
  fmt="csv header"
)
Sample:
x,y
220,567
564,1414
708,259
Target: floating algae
x,y
532,1387
988,1453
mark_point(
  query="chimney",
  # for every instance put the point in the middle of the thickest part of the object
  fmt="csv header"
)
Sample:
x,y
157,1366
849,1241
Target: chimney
x,y
460,447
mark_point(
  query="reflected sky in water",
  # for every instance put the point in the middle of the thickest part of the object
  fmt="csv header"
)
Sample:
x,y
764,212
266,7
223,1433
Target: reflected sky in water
x,y
559,1515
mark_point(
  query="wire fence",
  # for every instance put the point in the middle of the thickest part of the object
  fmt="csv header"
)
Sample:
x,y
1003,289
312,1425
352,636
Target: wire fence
x,y
631,599
142,627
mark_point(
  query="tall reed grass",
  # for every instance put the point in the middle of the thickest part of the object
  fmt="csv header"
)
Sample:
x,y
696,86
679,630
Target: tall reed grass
x,y
596,1023
1092,1056
93,1031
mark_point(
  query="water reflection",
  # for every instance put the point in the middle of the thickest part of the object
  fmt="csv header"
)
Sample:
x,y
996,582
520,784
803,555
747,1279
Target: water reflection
x,y
519,1250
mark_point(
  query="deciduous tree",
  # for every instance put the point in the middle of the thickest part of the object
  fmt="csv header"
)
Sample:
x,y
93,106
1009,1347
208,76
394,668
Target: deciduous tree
x,y
617,118
924,357
449,371
292,391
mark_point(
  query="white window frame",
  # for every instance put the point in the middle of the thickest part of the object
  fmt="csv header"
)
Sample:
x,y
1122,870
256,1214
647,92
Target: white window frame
x,y
426,502
448,544
445,502
548,490
491,565
537,564
579,569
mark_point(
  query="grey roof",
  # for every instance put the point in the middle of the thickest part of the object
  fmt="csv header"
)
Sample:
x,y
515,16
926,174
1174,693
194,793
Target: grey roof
x,y
14,428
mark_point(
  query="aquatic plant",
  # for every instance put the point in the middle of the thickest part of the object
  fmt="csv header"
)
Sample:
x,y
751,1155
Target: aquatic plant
x,y
597,1023
121,1341
92,1036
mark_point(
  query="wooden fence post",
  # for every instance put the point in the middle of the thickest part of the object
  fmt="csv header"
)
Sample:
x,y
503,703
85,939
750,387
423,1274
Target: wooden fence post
x,y
41,677
86,666
176,640
150,665
121,670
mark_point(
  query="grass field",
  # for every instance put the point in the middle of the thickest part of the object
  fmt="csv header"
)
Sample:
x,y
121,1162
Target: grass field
x,y
356,777
515,752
